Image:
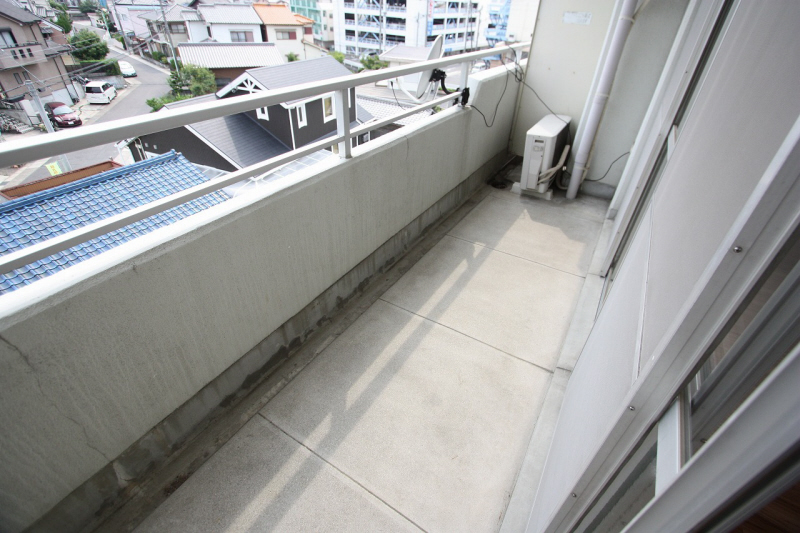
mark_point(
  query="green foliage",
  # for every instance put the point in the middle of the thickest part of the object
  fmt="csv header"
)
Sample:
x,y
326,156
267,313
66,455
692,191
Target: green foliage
x,y
193,80
110,67
338,56
158,56
64,21
373,63
157,103
291,56
88,6
88,46
119,37
58,6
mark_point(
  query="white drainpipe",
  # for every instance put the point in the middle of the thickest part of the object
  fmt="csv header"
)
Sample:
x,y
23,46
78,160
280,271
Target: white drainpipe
x,y
621,32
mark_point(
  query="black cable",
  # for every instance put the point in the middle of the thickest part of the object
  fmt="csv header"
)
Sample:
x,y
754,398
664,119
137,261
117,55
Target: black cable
x,y
496,107
609,167
391,84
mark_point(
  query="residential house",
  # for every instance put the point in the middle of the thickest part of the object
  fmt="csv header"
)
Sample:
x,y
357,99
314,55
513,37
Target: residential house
x,y
236,141
229,60
40,216
184,24
291,33
128,16
44,184
231,23
26,55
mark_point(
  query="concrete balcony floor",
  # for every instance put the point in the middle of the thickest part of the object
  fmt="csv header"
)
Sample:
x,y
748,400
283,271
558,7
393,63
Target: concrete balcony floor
x,y
420,414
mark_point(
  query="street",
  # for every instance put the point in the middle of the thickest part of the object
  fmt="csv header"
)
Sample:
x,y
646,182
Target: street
x,y
149,83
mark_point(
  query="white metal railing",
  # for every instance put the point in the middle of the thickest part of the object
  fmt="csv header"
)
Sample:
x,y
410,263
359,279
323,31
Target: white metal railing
x,y
53,144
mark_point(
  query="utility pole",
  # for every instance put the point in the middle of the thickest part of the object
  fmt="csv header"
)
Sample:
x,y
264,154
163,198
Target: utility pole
x,y
45,120
169,35
121,28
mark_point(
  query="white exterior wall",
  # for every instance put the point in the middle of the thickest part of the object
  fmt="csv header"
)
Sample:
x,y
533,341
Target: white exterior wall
x,y
96,355
287,46
563,59
197,31
682,243
222,32
640,67
131,21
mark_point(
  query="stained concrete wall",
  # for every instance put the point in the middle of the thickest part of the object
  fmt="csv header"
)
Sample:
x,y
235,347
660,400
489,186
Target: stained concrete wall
x,y
94,356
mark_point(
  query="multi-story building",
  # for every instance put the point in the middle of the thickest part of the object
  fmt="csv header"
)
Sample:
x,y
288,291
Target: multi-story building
x,y
27,55
373,26
326,38
322,15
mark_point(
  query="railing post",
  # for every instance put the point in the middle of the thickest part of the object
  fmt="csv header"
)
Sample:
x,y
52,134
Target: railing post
x,y
462,80
342,122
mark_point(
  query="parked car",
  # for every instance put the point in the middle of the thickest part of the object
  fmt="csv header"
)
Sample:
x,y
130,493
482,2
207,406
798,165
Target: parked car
x,y
100,92
127,69
61,115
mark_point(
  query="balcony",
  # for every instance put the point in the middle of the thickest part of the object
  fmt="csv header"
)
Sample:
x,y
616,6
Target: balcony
x,y
21,55
424,336
379,341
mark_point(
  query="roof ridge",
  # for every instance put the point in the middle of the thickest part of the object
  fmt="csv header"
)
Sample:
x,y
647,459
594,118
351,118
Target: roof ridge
x,y
31,199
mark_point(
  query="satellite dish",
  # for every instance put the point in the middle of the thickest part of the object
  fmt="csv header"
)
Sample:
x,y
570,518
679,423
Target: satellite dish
x,y
435,52
416,86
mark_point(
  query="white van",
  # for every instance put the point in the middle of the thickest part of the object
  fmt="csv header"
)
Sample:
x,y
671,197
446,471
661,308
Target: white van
x,y
100,92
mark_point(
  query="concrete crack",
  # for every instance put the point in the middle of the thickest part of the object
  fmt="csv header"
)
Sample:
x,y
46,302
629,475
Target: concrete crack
x,y
49,400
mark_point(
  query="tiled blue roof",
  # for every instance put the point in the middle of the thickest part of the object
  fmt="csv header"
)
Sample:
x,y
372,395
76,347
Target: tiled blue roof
x,y
46,214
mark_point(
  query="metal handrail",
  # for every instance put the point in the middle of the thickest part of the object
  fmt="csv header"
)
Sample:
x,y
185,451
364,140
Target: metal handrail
x,y
13,152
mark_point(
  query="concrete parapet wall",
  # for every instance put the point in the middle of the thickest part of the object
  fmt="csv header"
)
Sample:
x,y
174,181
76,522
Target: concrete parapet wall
x,y
96,357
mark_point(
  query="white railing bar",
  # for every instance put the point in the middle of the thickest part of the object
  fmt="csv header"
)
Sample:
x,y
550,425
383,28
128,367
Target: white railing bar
x,y
65,241
364,128
22,151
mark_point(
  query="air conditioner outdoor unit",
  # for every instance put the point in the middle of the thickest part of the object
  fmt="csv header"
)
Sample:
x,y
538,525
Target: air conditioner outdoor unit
x,y
545,154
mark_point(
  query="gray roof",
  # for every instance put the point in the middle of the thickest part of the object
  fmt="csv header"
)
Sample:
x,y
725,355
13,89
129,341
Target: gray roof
x,y
230,55
174,13
294,73
382,109
16,13
403,52
229,14
239,136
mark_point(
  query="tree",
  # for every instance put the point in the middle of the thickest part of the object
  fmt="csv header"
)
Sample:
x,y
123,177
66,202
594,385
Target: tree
x,y
88,6
192,79
373,63
338,56
63,21
58,6
291,56
88,46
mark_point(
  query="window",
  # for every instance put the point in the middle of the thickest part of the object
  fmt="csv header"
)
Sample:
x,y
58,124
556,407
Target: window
x,y
18,78
7,38
262,113
327,108
241,36
177,27
283,35
26,75
301,115
308,30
